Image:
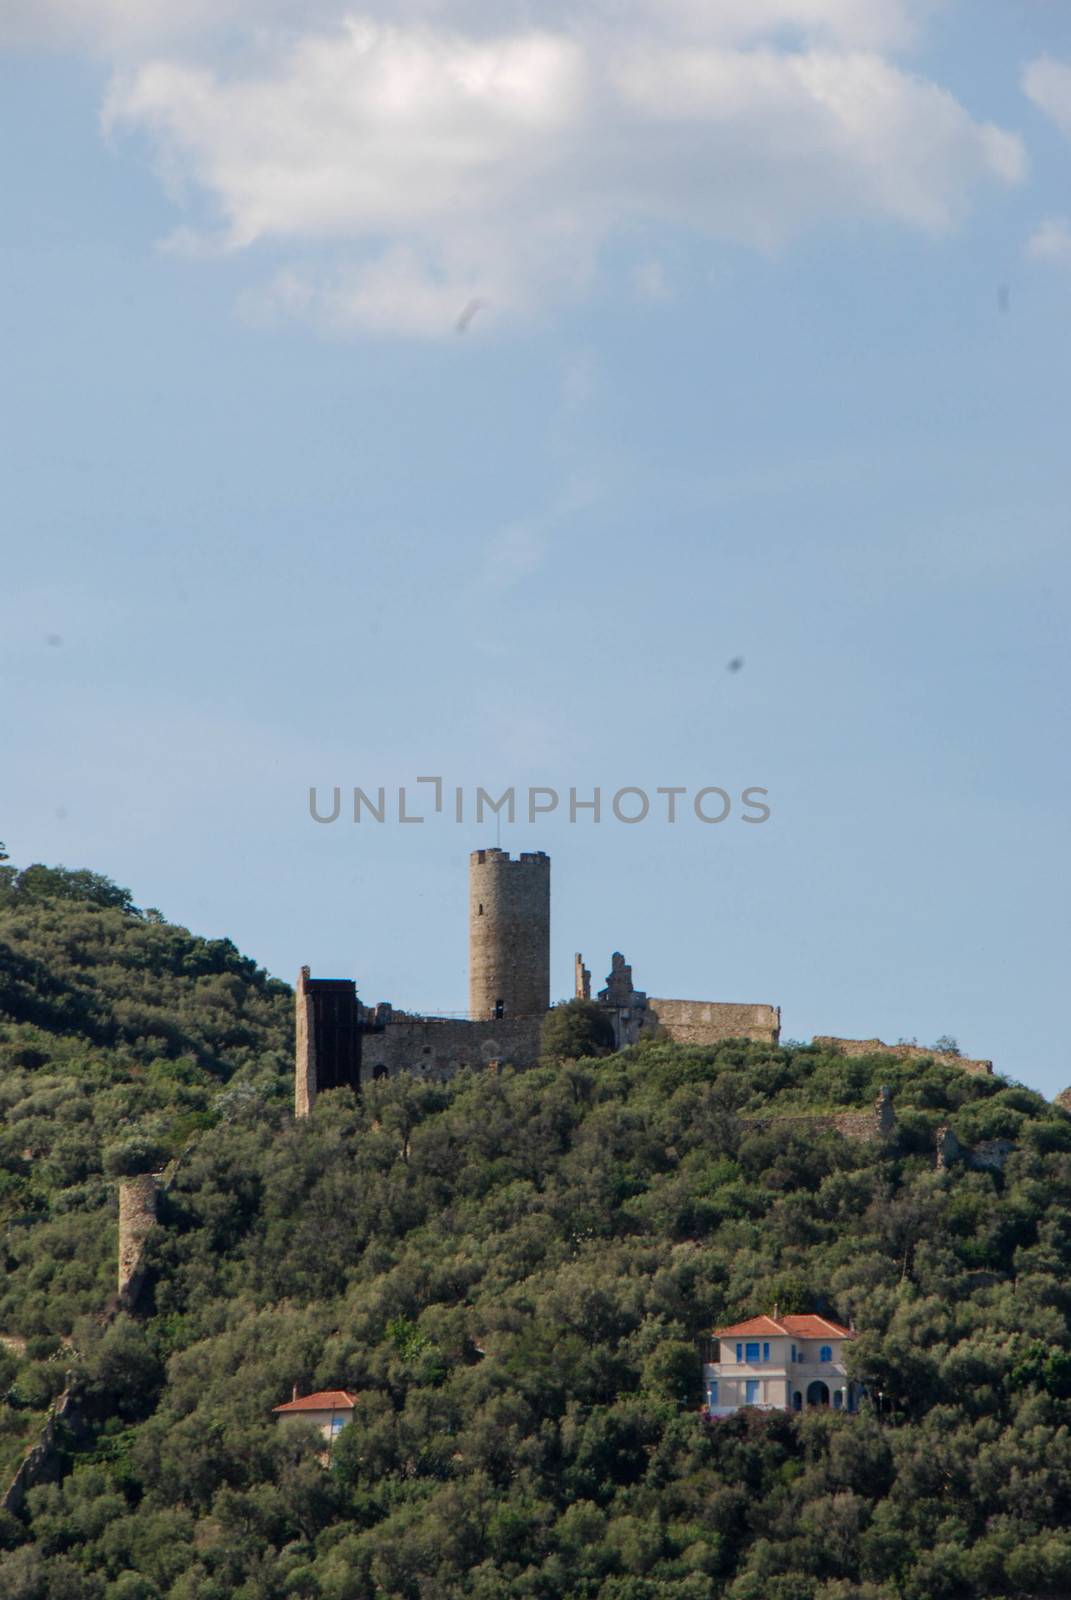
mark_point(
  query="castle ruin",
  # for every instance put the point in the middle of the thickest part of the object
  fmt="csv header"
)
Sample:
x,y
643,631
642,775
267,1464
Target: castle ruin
x,y
138,1198
341,1042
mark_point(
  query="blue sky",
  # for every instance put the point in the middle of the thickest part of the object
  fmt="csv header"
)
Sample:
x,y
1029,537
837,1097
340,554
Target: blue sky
x,y
773,365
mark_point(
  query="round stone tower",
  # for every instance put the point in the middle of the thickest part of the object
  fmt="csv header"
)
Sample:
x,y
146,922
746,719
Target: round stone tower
x,y
509,934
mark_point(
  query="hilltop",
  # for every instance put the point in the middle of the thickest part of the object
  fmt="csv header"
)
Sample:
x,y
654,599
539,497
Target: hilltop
x,y
514,1272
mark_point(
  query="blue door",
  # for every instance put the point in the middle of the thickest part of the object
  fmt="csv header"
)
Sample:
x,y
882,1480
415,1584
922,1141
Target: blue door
x,y
752,1392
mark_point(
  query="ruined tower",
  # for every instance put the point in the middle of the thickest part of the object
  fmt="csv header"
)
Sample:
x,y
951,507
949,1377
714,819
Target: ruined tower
x,y
509,934
137,1218
327,1040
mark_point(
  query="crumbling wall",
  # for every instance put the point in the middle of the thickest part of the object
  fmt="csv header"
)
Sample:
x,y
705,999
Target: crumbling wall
x,y
989,1156
304,1047
865,1126
902,1052
707,1022
137,1216
41,1464
624,1004
440,1046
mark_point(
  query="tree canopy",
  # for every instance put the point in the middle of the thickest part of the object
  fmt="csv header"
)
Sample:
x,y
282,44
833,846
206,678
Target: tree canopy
x,y
516,1273
575,1029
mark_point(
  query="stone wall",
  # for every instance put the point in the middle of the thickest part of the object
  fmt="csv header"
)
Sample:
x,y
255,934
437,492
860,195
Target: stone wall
x,y
865,1126
706,1022
304,1047
989,1156
43,1461
437,1047
902,1052
137,1217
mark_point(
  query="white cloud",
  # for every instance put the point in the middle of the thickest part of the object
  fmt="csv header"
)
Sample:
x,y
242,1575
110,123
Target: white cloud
x,y
105,26
118,26
1051,241
392,293
427,152
1048,84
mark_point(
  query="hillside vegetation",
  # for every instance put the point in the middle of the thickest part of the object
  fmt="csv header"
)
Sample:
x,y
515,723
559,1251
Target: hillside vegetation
x,y
514,1272
119,1037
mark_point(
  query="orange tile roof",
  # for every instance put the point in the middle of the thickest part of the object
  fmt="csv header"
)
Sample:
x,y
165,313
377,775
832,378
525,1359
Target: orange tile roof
x,y
812,1327
323,1400
805,1327
765,1325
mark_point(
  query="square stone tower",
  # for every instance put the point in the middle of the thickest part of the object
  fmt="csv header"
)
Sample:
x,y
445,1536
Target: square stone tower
x,y
327,1038
509,934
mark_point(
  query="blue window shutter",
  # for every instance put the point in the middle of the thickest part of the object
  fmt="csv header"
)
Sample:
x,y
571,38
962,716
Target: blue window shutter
x,y
826,1353
766,1352
751,1351
740,1352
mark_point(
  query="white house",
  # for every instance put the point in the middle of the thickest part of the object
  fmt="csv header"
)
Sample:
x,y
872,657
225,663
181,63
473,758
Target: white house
x,y
328,1409
779,1364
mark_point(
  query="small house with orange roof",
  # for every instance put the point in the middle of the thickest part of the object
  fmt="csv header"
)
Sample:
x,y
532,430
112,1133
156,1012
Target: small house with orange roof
x,y
777,1363
327,1409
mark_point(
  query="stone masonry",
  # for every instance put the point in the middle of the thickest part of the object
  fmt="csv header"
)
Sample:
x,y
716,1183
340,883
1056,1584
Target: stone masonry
x,y
137,1217
437,1047
509,934
635,1015
866,1127
903,1052
709,1022
341,1042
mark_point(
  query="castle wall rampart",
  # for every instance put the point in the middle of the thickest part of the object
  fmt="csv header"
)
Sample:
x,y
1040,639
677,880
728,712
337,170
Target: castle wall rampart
x,y
440,1046
706,1022
864,1126
902,1052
